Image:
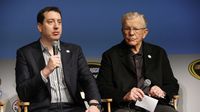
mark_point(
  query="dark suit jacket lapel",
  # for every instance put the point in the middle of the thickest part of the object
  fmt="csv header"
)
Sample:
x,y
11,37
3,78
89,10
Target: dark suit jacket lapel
x,y
66,60
39,59
147,56
125,53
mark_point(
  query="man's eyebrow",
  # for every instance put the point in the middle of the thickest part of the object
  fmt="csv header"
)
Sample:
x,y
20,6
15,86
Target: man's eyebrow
x,y
53,19
50,19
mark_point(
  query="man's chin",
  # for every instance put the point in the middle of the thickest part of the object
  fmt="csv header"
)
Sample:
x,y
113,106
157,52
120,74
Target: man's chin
x,y
131,43
56,38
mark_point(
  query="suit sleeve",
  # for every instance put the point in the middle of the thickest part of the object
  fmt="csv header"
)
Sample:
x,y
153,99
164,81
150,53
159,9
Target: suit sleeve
x,y
87,81
106,82
28,80
170,84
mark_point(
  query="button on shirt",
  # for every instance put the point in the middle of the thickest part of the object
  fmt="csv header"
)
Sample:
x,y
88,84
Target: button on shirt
x,y
56,78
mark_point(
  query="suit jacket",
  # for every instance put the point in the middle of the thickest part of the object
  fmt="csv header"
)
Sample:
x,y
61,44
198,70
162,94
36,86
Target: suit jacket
x,y
31,87
117,76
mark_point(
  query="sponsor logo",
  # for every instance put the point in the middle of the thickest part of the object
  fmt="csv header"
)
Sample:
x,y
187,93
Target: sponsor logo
x,y
94,68
194,69
15,106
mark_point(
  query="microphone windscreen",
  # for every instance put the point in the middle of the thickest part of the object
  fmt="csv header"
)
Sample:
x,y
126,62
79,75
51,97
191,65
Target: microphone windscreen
x,y
55,47
147,82
55,43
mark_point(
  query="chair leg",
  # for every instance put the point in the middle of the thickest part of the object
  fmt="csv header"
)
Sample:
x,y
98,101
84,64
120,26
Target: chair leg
x,y
24,105
175,101
25,109
109,107
108,101
1,107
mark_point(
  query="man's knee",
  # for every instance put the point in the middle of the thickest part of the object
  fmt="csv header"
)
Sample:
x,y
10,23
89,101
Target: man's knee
x,y
164,108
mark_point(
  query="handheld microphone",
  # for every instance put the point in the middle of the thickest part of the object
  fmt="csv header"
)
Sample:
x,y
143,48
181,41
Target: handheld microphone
x,y
146,83
55,47
55,52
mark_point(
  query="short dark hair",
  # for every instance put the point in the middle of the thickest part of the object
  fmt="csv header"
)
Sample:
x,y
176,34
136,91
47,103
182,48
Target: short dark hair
x,y
40,16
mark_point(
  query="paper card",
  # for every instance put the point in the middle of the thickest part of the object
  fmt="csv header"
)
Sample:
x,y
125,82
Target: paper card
x,y
147,103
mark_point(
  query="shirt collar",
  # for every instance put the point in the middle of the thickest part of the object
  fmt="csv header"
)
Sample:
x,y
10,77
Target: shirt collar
x,y
46,49
140,53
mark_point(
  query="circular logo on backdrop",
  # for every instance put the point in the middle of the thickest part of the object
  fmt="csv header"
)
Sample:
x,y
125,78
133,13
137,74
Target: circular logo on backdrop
x,y
194,69
15,106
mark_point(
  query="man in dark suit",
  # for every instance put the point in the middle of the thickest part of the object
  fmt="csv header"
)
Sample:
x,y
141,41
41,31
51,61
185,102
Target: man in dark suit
x,y
51,78
125,66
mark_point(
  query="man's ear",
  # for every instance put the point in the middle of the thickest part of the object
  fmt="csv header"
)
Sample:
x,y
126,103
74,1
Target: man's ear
x,y
145,32
39,26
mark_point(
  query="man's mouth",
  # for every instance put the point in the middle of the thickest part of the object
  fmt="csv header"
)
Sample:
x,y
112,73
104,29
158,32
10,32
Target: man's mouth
x,y
131,38
56,33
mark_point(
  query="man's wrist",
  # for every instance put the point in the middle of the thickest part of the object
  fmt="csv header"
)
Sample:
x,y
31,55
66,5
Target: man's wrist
x,y
95,104
43,77
46,71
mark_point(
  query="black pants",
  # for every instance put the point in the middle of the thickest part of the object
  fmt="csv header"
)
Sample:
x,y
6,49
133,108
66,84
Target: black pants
x,y
65,107
159,108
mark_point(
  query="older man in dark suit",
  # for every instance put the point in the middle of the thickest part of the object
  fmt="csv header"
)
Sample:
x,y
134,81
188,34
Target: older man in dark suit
x,y
125,66
51,77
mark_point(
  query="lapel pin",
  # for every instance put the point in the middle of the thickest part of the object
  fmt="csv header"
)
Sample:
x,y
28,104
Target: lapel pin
x,y
67,51
149,56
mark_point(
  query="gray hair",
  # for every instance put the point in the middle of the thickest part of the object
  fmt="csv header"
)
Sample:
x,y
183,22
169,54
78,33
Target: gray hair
x,y
134,15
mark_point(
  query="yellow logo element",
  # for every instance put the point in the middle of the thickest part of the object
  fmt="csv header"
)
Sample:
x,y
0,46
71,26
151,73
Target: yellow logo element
x,y
194,69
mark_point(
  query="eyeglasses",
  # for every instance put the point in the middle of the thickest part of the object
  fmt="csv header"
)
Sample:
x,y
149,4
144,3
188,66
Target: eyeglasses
x,y
136,30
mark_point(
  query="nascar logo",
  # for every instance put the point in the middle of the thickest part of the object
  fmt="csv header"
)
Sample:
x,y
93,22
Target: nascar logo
x,y
194,69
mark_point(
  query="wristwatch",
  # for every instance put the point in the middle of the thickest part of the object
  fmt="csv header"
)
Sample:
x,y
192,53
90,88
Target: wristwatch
x,y
95,104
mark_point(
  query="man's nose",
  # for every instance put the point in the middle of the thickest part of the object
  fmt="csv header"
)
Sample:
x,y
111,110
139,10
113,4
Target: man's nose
x,y
132,32
56,25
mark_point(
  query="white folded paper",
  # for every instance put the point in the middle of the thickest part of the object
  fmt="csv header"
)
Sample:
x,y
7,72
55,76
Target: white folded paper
x,y
147,103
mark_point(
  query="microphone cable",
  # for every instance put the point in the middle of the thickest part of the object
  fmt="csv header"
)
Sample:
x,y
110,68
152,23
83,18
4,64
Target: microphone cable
x,y
55,52
60,101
